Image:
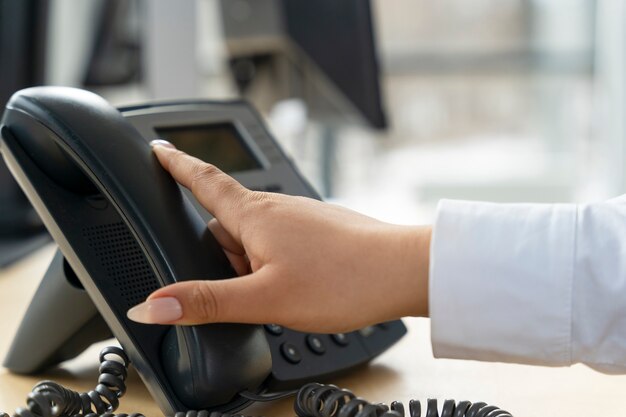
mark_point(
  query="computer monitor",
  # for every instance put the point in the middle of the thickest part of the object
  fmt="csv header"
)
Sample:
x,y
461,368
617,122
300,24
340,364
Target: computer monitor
x,y
115,54
22,45
322,51
22,53
338,36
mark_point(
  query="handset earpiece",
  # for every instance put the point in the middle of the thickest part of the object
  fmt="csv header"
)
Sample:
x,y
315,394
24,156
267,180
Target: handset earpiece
x,y
41,146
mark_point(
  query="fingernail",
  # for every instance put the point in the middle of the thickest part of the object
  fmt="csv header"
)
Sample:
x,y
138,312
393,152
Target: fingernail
x,y
157,310
161,142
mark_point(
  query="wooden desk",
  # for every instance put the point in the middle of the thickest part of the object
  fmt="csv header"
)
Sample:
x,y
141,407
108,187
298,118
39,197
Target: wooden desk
x,y
406,371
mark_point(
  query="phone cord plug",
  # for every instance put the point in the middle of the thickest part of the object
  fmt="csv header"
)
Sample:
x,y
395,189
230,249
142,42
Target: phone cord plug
x,y
50,399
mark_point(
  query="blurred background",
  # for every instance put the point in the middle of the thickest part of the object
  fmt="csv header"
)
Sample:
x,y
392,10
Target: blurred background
x,y
386,106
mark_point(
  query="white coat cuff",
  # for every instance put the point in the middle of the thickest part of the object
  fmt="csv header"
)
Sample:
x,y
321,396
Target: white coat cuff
x,y
501,282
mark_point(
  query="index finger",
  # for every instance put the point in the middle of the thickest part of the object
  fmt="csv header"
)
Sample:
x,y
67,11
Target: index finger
x,y
216,191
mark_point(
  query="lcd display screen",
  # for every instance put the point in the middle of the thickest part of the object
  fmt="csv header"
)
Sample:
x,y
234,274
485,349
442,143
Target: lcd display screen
x,y
217,144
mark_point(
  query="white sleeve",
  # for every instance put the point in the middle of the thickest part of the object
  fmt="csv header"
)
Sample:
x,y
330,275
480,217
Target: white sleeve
x,y
530,283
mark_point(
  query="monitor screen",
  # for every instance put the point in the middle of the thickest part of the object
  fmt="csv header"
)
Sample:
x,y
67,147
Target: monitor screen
x,y
218,144
338,36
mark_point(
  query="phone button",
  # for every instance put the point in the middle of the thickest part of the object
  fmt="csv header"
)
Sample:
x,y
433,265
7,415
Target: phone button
x,y
341,339
315,344
290,352
274,329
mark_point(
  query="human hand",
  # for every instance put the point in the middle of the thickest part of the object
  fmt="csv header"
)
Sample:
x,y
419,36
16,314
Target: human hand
x,y
302,263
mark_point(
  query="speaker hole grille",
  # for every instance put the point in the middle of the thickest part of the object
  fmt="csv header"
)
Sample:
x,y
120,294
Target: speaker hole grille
x,y
123,260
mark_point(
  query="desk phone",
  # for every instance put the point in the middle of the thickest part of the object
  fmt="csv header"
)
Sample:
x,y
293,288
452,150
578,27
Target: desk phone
x,y
88,169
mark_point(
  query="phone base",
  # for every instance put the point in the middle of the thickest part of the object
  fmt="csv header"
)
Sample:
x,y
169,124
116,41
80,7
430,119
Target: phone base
x,y
60,323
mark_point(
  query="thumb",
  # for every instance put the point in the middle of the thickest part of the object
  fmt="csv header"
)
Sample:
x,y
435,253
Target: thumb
x,y
239,300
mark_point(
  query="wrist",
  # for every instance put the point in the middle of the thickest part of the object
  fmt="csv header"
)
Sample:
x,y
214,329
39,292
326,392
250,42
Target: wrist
x,y
423,270
417,254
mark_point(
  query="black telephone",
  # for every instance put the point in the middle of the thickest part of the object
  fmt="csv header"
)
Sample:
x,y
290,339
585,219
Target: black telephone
x,y
88,169
105,199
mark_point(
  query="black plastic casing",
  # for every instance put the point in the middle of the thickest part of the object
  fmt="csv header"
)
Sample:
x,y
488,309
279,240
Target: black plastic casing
x,y
109,205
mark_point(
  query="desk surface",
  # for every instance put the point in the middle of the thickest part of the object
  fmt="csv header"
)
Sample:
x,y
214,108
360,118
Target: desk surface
x,y
406,371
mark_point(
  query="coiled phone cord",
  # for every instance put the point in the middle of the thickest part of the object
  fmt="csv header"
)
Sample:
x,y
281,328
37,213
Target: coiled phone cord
x,y
49,399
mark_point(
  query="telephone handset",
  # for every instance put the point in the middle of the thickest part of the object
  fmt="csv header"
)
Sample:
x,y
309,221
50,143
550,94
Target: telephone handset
x,y
125,228
105,199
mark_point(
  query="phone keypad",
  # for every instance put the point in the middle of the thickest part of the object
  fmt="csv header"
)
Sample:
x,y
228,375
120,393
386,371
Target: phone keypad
x,y
274,329
290,352
299,357
341,339
315,344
